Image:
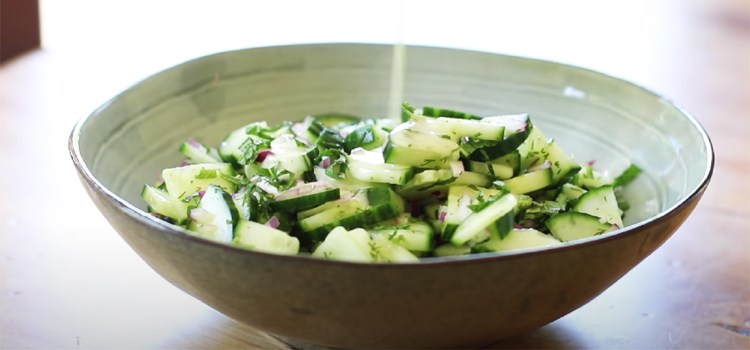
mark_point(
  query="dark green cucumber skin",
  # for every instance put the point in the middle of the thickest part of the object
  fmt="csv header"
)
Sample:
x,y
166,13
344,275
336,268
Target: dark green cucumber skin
x,y
380,209
447,113
232,208
335,119
360,136
504,225
301,203
448,231
502,148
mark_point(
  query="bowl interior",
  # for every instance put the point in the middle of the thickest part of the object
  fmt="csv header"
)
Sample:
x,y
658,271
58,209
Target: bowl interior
x,y
129,140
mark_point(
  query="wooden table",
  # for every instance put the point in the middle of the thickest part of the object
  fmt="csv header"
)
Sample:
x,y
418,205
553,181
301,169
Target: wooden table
x,y
68,281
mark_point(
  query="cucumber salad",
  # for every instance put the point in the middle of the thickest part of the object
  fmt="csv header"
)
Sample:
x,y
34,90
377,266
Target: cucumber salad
x,y
440,183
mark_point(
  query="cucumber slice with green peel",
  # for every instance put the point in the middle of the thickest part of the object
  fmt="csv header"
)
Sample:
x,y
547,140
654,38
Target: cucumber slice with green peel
x,y
229,150
285,128
349,184
367,207
531,149
600,202
415,235
530,182
159,201
263,238
512,159
307,129
455,129
198,153
368,137
336,120
384,249
449,249
184,182
447,113
563,166
421,150
572,191
517,130
304,197
590,179
497,218
517,239
341,244
215,216
573,225
369,166
493,170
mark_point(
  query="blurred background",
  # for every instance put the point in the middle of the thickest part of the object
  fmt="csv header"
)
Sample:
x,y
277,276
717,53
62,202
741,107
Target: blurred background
x,y
67,280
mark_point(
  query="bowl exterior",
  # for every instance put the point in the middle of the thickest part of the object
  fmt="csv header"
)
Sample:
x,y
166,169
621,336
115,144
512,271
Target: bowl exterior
x,y
455,304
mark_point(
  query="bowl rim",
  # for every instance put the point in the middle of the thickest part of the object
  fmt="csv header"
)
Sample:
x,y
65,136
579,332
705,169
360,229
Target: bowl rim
x,y
144,218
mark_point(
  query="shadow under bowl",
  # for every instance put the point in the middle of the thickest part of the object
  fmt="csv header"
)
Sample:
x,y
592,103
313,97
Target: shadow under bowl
x,y
440,302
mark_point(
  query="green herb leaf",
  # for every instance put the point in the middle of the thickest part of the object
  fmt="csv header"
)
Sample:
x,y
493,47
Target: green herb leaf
x,y
206,174
627,176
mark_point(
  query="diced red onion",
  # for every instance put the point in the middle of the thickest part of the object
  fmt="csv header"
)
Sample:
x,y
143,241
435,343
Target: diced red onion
x,y
458,168
304,140
200,214
546,165
201,193
517,226
184,163
436,193
299,182
415,209
194,143
591,162
262,156
442,215
614,227
325,162
274,222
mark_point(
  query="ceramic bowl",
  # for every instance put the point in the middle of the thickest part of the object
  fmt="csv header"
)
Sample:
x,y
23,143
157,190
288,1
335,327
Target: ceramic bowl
x,y
438,303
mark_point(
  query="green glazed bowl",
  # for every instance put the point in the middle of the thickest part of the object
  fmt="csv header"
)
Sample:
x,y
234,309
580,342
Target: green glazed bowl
x,y
441,302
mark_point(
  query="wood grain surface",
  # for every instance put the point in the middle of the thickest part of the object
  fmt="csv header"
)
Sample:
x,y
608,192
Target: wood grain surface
x,y
68,281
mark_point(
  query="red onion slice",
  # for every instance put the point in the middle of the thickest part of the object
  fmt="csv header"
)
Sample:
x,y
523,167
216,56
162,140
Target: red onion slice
x,y
194,143
274,222
201,193
517,226
442,215
184,163
325,162
262,156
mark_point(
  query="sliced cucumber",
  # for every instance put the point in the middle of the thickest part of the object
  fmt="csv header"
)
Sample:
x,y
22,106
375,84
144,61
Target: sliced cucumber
x,y
341,244
563,166
184,182
517,239
512,159
573,225
497,218
572,191
493,170
367,207
222,215
422,150
367,136
369,166
159,201
530,182
449,249
458,128
304,197
600,202
447,113
229,150
517,130
415,235
263,238
336,120
198,153
385,250
349,184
